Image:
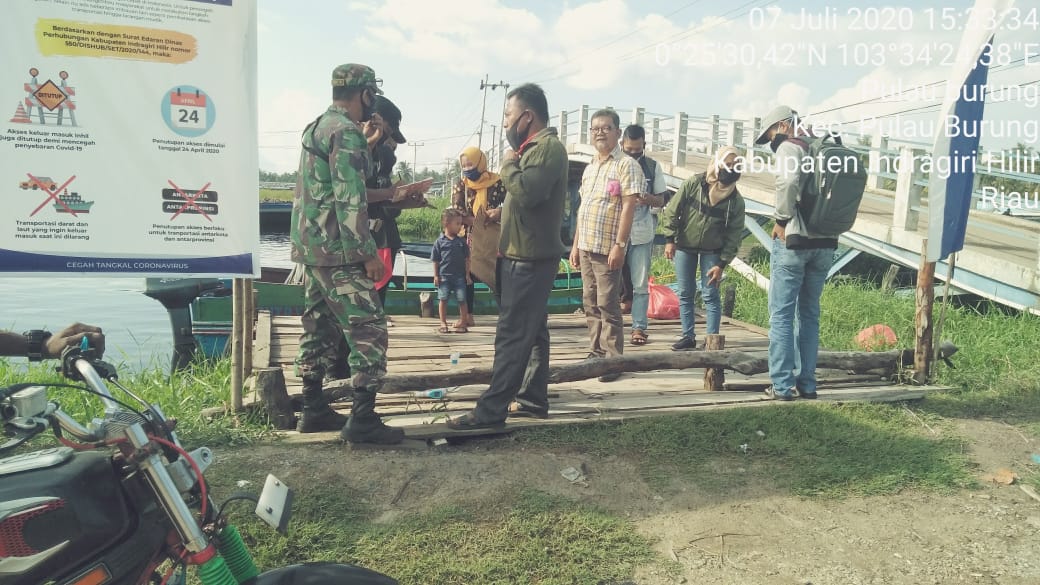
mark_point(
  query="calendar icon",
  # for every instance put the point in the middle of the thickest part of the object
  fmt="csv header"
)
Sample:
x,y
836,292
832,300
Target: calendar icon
x,y
188,110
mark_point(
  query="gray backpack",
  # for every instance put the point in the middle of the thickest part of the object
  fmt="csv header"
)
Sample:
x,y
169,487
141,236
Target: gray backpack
x,y
829,201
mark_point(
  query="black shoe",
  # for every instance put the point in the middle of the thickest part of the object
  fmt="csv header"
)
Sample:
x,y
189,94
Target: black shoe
x,y
807,395
684,344
778,395
376,434
470,422
318,420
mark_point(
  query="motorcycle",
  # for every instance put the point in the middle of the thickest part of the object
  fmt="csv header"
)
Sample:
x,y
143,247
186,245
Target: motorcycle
x,y
121,502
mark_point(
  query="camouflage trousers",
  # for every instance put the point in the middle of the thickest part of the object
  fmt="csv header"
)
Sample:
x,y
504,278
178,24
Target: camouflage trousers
x,y
341,304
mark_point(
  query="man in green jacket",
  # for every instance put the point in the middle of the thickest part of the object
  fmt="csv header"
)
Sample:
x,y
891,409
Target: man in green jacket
x,y
535,177
703,225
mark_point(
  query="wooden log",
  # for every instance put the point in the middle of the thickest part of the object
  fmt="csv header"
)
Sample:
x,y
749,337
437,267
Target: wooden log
x,y
262,348
714,378
237,315
270,387
748,363
729,300
923,317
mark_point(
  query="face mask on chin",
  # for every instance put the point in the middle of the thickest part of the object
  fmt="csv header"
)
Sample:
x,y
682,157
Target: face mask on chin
x,y
635,155
514,137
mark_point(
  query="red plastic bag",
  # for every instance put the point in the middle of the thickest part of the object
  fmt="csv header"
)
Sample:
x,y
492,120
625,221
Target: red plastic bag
x,y
664,303
386,256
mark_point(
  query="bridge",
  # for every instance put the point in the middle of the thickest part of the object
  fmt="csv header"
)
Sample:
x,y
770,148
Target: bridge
x,y
1001,256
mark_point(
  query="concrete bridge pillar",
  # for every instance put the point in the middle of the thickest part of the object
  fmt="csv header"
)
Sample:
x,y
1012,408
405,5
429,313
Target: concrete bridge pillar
x,y
878,145
655,133
735,129
561,125
756,129
638,114
714,140
679,140
905,212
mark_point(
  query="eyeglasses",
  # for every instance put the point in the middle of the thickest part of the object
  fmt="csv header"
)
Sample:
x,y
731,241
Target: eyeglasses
x,y
601,129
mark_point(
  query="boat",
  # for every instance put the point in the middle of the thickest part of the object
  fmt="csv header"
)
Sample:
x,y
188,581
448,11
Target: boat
x,y
410,292
72,203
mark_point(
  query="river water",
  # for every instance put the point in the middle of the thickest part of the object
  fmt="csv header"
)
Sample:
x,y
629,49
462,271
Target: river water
x,y
137,329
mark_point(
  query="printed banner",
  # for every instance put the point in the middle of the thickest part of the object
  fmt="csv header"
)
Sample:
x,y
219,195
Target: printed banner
x,y
128,138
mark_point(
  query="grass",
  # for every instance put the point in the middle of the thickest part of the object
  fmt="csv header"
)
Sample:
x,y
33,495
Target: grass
x,y
276,195
517,536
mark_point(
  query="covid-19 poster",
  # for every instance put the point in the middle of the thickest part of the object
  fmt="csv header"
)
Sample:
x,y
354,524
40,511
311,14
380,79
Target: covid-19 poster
x,y
128,138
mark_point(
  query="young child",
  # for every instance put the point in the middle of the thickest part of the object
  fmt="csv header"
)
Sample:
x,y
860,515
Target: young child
x,y
450,256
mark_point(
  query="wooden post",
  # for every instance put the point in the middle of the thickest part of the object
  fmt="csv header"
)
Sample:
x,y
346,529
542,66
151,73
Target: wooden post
x,y
888,281
923,317
247,327
714,378
270,387
729,300
238,314
908,192
878,146
679,140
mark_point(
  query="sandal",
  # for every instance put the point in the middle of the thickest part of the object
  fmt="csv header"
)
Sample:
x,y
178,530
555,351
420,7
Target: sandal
x,y
443,329
461,329
518,410
639,337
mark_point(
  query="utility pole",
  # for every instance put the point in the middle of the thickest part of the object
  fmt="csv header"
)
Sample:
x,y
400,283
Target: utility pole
x,y
415,151
484,85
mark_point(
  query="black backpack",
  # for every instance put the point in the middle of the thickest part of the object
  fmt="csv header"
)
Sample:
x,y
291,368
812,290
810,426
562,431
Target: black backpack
x,y
830,198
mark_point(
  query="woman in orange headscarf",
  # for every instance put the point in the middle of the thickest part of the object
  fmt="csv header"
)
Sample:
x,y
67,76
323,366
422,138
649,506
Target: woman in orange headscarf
x,y
479,195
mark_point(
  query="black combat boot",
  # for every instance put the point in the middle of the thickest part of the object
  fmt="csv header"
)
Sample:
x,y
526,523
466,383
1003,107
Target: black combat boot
x,y
317,416
365,426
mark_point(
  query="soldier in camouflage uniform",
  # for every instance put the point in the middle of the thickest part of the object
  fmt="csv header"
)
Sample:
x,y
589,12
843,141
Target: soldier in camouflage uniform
x,y
330,237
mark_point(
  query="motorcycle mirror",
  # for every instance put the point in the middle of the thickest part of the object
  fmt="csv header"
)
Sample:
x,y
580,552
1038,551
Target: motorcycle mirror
x,y
275,504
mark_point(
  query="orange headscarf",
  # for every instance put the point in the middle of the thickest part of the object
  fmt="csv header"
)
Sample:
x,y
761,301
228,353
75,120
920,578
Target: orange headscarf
x,y
487,178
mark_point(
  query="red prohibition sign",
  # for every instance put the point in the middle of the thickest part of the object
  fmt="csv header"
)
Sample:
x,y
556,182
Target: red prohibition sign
x,y
52,195
189,200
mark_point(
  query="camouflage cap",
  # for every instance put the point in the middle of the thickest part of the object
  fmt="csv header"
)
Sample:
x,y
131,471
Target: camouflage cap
x,y
356,75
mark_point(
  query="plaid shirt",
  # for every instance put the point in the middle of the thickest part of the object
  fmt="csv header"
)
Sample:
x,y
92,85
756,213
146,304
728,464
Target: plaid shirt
x,y
603,185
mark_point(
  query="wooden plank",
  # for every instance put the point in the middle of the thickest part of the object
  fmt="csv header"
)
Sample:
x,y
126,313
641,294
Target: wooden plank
x,y
262,347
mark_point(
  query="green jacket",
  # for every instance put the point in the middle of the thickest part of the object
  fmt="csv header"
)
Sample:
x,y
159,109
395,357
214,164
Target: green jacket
x,y
536,189
329,225
693,224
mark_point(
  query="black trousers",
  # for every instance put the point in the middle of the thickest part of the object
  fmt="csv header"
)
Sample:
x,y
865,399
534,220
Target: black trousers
x,y
521,366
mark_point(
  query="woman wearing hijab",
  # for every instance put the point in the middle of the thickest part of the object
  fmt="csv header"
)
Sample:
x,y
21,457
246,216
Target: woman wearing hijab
x,y
703,225
479,195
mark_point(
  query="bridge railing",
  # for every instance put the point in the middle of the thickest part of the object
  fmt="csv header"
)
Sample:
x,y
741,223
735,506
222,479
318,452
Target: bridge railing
x,y
894,165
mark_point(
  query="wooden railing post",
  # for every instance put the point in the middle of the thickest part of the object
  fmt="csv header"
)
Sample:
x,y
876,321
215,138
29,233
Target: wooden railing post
x,y
878,145
713,136
561,125
908,192
679,140
638,114
583,122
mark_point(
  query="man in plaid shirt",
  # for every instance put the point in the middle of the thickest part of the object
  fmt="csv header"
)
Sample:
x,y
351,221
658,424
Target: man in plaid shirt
x,y
610,187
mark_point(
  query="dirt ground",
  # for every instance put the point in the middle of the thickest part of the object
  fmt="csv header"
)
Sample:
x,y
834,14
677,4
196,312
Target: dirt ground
x,y
746,537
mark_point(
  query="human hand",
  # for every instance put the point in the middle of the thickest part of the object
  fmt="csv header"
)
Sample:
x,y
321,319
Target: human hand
x,y
375,269
616,258
436,280
495,214
669,251
714,275
469,280
575,258
780,231
72,336
374,129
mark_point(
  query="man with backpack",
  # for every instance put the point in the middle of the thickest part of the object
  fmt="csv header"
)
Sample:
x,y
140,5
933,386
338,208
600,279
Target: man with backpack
x,y
815,202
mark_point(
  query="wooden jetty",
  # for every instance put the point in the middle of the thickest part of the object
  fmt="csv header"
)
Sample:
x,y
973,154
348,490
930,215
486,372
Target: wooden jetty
x,y
417,348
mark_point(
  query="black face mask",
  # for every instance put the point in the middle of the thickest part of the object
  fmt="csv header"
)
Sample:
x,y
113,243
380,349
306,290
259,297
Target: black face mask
x,y
367,110
727,176
777,141
515,137
637,156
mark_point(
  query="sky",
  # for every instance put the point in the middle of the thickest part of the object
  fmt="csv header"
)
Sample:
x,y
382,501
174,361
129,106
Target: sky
x,y
844,63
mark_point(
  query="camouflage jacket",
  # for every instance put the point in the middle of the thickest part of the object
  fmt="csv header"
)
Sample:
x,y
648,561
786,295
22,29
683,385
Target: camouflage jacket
x,y
330,208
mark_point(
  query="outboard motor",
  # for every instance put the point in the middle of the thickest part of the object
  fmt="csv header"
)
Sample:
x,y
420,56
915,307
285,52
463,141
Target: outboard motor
x,y
177,294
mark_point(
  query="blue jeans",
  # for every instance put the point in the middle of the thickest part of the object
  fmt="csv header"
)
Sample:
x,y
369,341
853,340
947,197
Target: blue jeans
x,y
795,286
639,256
686,274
